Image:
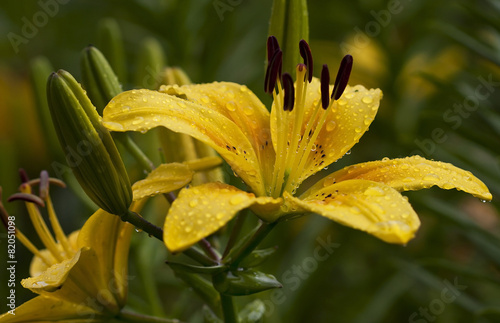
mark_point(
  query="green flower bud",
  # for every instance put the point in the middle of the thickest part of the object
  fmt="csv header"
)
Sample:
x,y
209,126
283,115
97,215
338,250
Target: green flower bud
x,y
289,23
110,41
175,75
90,151
150,65
98,78
257,257
247,282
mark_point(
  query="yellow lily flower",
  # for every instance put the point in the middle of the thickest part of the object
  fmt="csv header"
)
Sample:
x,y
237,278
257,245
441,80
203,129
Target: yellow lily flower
x,y
311,125
83,276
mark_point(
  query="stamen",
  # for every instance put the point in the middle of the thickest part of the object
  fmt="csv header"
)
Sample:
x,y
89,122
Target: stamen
x,y
289,92
3,212
272,47
52,180
325,87
273,72
342,77
44,185
26,197
305,52
23,175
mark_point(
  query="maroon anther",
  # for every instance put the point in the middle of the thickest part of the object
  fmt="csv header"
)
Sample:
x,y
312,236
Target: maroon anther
x,y
325,87
272,47
23,175
305,52
273,72
289,99
342,77
26,197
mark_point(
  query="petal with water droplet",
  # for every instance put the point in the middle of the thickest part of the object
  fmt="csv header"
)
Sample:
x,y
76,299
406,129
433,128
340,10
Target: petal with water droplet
x,y
163,179
228,137
216,204
411,173
363,205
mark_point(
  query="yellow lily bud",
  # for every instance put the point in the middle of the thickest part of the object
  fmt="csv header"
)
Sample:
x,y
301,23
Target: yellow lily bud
x,y
90,150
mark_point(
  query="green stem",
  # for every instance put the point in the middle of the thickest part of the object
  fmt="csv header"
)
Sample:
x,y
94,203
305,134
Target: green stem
x,y
228,309
142,224
251,244
199,257
203,288
134,150
127,316
238,225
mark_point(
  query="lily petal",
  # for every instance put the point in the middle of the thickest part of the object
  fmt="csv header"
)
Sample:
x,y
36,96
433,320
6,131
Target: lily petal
x,y
410,173
348,120
202,210
364,205
163,179
141,110
45,309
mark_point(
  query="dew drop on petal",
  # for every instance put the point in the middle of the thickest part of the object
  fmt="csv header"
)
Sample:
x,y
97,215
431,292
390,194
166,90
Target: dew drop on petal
x,y
367,99
231,106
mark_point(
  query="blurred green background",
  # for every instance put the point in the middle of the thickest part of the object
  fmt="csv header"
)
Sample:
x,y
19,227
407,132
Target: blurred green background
x,y
438,65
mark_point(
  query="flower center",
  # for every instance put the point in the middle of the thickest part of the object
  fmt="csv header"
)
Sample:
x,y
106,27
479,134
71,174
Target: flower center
x,y
298,125
59,248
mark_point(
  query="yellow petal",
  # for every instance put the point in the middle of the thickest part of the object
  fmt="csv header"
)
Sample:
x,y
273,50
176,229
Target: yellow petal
x,y
347,121
200,211
141,110
76,280
46,309
410,173
364,205
163,179
109,239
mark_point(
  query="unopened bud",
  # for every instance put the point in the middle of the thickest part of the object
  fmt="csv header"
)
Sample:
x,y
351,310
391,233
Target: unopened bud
x,y
239,283
98,78
90,150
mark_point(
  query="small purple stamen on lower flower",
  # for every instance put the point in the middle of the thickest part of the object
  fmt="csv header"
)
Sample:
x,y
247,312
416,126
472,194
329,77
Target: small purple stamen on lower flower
x,y
325,87
342,77
27,198
305,52
289,90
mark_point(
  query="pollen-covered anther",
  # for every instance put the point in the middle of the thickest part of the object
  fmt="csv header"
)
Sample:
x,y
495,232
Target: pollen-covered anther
x,y
289,90
305,52
325,87
273,72
342,77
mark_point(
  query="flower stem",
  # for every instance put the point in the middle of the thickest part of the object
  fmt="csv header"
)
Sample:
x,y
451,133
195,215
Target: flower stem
x,y
228,309
142,224
251,244
238,225
134,150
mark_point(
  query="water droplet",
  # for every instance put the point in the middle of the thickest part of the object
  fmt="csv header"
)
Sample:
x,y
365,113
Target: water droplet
x,y
330,126
236,200
137,120
374,191
248,110
367,99
193,203
358,130
188,229
231,106
431,177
